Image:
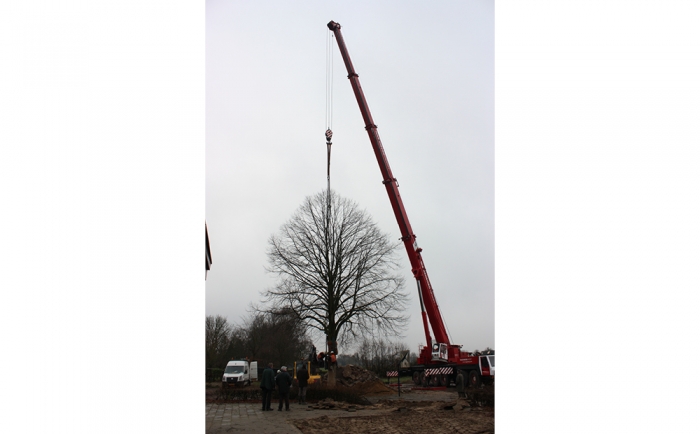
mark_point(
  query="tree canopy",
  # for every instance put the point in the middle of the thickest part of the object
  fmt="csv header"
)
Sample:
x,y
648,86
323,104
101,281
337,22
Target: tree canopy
x,y
337,271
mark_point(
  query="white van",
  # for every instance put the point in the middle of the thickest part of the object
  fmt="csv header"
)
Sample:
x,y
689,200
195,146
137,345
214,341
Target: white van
x,y
239,373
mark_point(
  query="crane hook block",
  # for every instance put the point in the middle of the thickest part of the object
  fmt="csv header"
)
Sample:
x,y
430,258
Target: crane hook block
x,y
329,135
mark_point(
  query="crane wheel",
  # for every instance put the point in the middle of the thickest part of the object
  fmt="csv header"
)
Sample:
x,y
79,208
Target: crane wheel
x,y
442,380
434,380
417,378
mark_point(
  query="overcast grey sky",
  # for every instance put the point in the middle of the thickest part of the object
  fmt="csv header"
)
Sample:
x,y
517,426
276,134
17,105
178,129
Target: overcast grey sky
x,y
103,185
427,70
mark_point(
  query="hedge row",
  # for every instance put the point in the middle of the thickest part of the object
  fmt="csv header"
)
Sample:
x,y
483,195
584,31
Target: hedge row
x,y
214,374
315,393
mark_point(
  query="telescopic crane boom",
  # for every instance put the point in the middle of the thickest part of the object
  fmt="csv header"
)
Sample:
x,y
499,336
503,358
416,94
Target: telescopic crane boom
x,y
429,305
439,362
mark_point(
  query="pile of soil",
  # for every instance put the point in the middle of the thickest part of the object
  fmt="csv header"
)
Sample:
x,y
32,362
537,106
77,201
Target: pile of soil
x,y
350,375
355,377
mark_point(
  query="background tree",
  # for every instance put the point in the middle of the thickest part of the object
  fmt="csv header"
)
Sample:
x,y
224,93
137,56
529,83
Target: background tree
x,y
217,344
278,337
348,359
336,271
236,344
380,356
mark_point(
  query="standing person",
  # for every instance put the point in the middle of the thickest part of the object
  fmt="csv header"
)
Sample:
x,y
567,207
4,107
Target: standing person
x,y
267,384
460,384
303,377
333,359
284,381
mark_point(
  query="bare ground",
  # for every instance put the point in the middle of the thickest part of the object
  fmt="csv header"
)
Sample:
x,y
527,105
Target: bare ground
x,y
434,412
417,411
409,417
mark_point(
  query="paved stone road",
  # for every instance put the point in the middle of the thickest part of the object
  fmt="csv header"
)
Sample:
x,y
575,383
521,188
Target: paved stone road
x,y
242,418
246,418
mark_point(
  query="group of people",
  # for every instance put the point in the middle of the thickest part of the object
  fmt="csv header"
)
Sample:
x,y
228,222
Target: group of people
x,y
283,381
326,359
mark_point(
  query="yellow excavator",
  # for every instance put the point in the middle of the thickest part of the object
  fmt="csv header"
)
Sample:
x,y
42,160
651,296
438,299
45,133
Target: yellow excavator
x,y
314,376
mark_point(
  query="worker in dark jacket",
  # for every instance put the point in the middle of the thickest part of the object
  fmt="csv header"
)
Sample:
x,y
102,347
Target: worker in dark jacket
x,y
267,384
460,385
303,377
284,381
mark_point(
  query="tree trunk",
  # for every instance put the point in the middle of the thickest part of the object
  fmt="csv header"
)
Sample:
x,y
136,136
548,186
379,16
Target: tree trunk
x,y
332,346
331,375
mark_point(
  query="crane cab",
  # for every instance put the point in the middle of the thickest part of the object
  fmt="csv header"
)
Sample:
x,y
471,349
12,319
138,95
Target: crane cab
x,y
487,366
439,352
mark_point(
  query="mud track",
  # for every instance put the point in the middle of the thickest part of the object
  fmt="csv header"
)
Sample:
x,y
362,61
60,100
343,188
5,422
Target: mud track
x,y
410,420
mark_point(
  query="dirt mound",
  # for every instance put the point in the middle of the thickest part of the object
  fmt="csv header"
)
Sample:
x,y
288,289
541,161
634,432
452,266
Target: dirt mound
x,y
355,377
350,375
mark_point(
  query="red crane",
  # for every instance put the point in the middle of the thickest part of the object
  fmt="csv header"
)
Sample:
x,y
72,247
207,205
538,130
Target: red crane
x,y
440,352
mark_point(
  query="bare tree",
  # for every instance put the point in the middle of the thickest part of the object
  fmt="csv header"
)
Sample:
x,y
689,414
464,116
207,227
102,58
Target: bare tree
x,y
277,337
379,355
217,342
337,271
